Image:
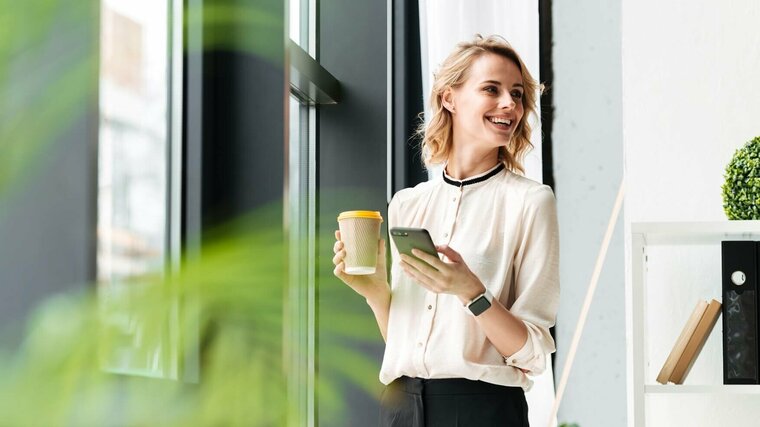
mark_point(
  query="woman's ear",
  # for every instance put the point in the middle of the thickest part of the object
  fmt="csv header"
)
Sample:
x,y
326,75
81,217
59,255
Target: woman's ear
x,y
447,99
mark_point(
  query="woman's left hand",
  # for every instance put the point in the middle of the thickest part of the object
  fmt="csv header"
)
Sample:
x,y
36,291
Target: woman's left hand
x,y
451,278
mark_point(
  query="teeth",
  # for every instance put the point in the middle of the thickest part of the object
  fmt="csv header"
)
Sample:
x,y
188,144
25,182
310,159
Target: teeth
x,y
500,120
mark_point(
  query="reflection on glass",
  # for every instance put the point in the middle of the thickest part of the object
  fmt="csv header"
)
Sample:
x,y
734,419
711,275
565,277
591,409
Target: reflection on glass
x,y
297,228
132,167
294,20
298,22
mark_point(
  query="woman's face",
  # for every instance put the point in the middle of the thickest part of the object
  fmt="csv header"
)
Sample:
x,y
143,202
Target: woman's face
x,y
487,107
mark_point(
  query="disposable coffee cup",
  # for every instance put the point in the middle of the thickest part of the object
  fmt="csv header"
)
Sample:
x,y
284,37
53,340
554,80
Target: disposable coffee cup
x,y
360,232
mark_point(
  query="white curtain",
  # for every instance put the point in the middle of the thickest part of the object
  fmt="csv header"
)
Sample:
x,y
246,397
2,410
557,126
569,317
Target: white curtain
x,y
443,24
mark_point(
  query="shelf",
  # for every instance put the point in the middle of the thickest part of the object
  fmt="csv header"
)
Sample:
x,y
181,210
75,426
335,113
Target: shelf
x,y
685,233
702,389
682,261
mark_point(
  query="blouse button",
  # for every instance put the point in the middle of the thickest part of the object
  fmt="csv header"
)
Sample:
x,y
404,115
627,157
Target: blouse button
x,y
445,234
430,307
454,199
419,344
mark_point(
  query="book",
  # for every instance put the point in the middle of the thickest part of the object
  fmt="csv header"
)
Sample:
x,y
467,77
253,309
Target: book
x,y
696,342
680,345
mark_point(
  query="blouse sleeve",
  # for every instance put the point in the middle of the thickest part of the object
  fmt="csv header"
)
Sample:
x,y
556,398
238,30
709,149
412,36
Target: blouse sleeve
x,y
536,269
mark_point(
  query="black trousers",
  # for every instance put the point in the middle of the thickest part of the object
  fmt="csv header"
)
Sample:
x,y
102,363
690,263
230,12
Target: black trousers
x,y
416,402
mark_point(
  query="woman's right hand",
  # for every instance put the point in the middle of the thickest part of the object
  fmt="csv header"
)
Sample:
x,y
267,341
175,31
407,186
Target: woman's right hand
x,y
373,287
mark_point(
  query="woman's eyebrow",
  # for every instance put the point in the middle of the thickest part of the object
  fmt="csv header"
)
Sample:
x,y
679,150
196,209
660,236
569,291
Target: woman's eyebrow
x,y
498,83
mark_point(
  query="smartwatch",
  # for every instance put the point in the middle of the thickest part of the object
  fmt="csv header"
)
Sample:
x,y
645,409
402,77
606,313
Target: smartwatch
x,y
480,303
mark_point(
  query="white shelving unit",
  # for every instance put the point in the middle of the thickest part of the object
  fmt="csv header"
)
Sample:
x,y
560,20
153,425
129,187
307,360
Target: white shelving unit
x,y
702,389
678,237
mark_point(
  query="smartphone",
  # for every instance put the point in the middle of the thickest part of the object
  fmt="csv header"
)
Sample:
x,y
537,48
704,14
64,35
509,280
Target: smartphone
x,y
407,239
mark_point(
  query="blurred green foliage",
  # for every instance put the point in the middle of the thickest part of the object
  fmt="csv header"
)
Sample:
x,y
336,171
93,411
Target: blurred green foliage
x,y
234,296
240,26
59,376
48,70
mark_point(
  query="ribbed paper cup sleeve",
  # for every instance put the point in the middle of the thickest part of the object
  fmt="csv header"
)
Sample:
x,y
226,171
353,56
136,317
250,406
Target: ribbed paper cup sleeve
x,y
360,237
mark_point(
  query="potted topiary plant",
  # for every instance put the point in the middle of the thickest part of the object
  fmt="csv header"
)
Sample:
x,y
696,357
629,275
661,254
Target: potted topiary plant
x,y
741,189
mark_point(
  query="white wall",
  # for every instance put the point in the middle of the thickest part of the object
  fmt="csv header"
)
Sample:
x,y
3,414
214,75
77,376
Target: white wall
x,y
690,98
588,165
443,24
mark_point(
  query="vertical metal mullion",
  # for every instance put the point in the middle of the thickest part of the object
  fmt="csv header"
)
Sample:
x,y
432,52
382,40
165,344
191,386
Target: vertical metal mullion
x,y
173,247
303,240
312,130
312,261
389,99
298,308
192,162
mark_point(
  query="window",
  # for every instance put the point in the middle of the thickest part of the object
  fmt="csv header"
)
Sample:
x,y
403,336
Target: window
x,y
133,175
300,229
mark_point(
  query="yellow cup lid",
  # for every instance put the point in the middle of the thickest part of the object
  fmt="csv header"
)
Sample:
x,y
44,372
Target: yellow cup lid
x,y
360,214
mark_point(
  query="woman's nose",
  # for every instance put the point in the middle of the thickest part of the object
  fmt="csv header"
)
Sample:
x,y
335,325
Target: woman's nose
x,y
506,101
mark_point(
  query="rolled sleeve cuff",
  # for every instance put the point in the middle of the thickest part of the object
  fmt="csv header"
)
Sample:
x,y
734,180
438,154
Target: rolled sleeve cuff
x,y
531,357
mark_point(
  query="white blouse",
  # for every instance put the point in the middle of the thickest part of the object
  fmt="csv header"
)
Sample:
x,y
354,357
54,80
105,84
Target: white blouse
x,y
505,227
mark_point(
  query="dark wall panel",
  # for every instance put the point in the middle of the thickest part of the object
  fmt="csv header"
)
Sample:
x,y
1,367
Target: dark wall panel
x,y
48,112
243,134
352,175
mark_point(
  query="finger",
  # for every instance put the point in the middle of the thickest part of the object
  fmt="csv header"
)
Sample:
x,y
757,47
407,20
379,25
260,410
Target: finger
x,y
421,266
337,246
419,278
450,253
339,257
339,271
431,260
337,234
419,274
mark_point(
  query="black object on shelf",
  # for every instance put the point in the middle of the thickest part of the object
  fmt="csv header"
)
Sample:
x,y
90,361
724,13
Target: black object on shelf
x,y
740,312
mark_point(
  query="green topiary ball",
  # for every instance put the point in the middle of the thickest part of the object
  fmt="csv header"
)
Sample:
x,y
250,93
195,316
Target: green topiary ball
x,y
741,190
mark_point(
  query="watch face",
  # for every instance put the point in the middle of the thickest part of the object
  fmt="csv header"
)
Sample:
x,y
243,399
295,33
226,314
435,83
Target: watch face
x,y
479,305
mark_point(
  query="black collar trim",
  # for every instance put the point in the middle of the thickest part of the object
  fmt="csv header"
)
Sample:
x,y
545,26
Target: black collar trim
x,y
473,180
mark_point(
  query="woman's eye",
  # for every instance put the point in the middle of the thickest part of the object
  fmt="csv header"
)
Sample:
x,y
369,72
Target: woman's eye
x,y
517,94
490,89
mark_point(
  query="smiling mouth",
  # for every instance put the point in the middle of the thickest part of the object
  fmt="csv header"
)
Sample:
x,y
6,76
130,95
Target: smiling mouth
x,y
501,123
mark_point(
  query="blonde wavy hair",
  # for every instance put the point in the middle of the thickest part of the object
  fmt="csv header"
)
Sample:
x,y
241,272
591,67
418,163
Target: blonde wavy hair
x,y
437,134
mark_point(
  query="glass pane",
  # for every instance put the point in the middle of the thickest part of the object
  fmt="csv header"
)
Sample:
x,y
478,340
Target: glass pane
x,y
298,22
294,21
297,228
132,168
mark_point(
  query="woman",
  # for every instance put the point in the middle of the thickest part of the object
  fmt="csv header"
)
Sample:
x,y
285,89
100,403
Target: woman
x,y
462,340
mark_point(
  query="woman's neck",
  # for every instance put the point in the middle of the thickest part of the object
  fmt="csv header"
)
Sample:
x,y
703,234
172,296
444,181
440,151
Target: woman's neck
x,y
465,165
